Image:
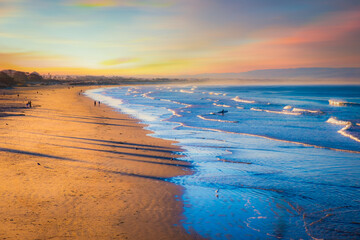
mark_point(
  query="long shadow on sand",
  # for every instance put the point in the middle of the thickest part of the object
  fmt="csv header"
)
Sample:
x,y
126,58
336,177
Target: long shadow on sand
x,y
121,146
128,154
91,117
95,123
56,113
73,160
150,147
9,150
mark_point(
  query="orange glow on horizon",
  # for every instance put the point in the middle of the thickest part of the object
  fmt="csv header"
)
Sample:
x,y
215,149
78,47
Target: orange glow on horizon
x,y
155,37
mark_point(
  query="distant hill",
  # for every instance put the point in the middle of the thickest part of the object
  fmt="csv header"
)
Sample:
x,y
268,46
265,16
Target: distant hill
x,y
292,73
9,78
6,80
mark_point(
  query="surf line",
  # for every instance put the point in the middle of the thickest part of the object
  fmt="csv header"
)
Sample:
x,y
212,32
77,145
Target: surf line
x,y
270,138
215,120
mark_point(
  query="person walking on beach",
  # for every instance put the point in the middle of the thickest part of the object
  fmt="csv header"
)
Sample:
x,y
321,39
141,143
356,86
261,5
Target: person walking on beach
x,y
28,104
99,103
94,103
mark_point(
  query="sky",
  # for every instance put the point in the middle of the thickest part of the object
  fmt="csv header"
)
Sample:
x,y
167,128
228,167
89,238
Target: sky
x,y
177,37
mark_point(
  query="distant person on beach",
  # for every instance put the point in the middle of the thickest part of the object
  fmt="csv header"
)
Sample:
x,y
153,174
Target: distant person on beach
x,y
99,103
94,103
28,104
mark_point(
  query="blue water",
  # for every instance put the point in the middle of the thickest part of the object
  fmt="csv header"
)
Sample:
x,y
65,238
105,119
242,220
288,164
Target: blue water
x,y
280,162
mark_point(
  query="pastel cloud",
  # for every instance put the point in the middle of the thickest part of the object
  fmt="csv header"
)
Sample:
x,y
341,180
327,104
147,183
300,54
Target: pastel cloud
x,y
92,4
178,36
117,3
32,59
118,61
8,11
329,28
331,40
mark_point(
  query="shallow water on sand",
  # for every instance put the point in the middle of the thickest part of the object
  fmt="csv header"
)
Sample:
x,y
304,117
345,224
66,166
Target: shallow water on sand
x,y
271,162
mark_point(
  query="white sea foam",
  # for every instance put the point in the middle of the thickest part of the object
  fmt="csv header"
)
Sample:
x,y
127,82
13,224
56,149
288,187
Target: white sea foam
x,y
334,102
186,91
212,100
284,112
240,107
287,107
306,110
237,99
348,125
347,134
135,113
266,137
97,95
174,113
215,120
221,105
334,120
341,103
146,95
277,112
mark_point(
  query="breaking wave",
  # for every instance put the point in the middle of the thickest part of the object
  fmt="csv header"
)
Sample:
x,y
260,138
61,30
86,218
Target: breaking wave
x,y
341,103
237,99
345,130
215,120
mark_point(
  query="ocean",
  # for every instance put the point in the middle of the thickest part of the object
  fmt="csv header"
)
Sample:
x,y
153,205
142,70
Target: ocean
x,y
271,162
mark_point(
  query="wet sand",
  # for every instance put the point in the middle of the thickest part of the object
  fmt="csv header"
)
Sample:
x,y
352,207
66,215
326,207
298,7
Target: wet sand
x,y
72,170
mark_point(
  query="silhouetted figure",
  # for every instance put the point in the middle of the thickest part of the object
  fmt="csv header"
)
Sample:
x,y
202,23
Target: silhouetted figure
x,y
222,112
94,103
29,104
99,103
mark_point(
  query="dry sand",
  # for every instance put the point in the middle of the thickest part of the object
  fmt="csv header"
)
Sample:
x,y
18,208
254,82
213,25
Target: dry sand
x,y
69,170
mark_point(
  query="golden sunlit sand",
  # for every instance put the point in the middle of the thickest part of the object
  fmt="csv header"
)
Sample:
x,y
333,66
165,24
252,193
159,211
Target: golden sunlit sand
x,y
72,170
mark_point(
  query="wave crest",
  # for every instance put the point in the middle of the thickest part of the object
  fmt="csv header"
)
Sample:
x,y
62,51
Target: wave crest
x,y
345,130
215,120
237,99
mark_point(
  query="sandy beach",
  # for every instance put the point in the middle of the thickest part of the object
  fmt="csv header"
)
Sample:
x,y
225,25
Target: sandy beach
x,y
72,170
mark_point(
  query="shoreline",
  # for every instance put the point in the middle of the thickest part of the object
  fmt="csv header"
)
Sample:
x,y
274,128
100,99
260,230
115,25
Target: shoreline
x,y
70,169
